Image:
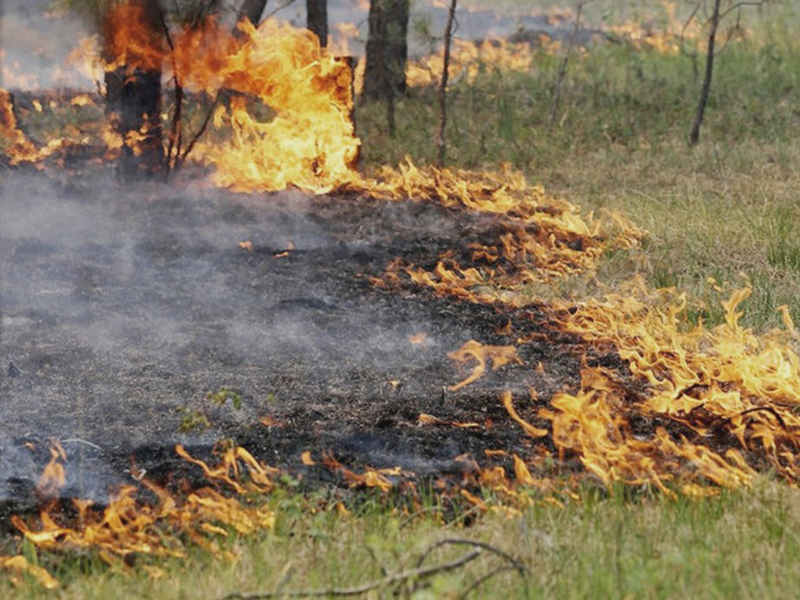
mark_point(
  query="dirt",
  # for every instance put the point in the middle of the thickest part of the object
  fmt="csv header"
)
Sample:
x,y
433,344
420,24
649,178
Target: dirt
x,y
124,306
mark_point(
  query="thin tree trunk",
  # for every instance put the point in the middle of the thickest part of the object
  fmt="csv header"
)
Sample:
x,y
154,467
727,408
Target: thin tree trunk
x,y
387,49
448,34
317,19
2,56
705,92
252,9
562,70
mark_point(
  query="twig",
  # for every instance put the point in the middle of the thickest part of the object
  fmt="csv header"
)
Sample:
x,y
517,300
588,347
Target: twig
x,y
562,69
175,135
484,578
190,146
80,441
425,511
400,577
448,35
518,566
705,91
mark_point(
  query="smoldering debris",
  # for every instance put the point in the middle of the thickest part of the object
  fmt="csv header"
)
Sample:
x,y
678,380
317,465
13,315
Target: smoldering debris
x,y
128,313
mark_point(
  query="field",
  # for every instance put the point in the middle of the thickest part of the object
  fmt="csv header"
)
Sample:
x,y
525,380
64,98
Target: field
x,y
726,210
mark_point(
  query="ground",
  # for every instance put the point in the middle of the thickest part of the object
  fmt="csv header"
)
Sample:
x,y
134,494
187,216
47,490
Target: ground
x,y
123,314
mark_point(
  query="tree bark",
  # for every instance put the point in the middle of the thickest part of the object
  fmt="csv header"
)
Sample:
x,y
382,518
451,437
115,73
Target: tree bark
x,y
317,19
252,9
441,147
133,101
387,49
2,59
705,92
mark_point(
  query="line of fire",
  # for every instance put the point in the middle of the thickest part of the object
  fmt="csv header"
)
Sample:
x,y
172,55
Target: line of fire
x,y
205,296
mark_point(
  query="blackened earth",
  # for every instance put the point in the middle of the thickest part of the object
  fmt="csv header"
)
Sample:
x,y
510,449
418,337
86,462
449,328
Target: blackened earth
x,y
125,305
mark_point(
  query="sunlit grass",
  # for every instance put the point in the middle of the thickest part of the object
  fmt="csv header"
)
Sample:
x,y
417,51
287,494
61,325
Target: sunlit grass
x,y
743,544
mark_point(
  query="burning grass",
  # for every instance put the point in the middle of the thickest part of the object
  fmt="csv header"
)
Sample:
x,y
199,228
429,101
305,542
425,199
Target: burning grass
x,y
689,408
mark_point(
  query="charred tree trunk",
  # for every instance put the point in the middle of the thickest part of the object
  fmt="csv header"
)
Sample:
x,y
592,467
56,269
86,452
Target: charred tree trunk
x,y
387,49
317,19
133,100
252,9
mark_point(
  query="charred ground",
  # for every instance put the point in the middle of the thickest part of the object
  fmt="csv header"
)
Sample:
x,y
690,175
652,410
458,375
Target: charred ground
x,y
126,309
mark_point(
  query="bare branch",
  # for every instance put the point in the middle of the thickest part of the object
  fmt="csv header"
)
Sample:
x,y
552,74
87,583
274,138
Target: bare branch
x,y
518,566
741,4
199,134
401,577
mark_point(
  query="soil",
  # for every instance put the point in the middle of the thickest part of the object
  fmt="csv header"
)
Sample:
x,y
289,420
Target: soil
x,y
125,306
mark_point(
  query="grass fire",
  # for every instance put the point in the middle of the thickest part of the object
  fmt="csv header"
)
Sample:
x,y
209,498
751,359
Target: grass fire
x,y
283,307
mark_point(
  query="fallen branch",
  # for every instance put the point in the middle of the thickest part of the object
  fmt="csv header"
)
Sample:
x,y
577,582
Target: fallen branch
x,y
518,566
401,577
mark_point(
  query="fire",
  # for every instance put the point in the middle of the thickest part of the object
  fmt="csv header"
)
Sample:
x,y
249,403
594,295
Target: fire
x,y
14,143
476,352
371,478
693,408
54,476
129,525
469,59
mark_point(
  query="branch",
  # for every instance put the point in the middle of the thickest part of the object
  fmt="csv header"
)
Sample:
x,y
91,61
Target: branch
x,y
403,576
176,133
483,579
182,158
518,566
739,5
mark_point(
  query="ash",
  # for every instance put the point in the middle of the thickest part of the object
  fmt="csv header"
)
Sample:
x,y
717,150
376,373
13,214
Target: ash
x,y
137,317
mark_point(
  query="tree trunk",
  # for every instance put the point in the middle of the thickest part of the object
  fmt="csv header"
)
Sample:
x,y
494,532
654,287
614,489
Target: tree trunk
x,y
387,49
133,100
448,35
2,56
694,136
317,19
252,9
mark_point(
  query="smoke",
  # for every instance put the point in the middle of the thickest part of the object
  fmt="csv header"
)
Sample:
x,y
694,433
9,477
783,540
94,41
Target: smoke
x,y
34,45
123,307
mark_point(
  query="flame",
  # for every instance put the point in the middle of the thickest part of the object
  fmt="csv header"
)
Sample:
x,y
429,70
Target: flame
x,y
14,143
20,564
54,476
469,59
371,478
129,525
476,352
719,403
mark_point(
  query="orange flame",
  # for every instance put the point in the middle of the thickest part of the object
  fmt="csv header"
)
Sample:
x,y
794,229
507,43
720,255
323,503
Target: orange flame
x,y
129,526
476,352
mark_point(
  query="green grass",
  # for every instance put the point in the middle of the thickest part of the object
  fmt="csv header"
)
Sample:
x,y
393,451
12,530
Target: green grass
x,y
726,209
745,544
